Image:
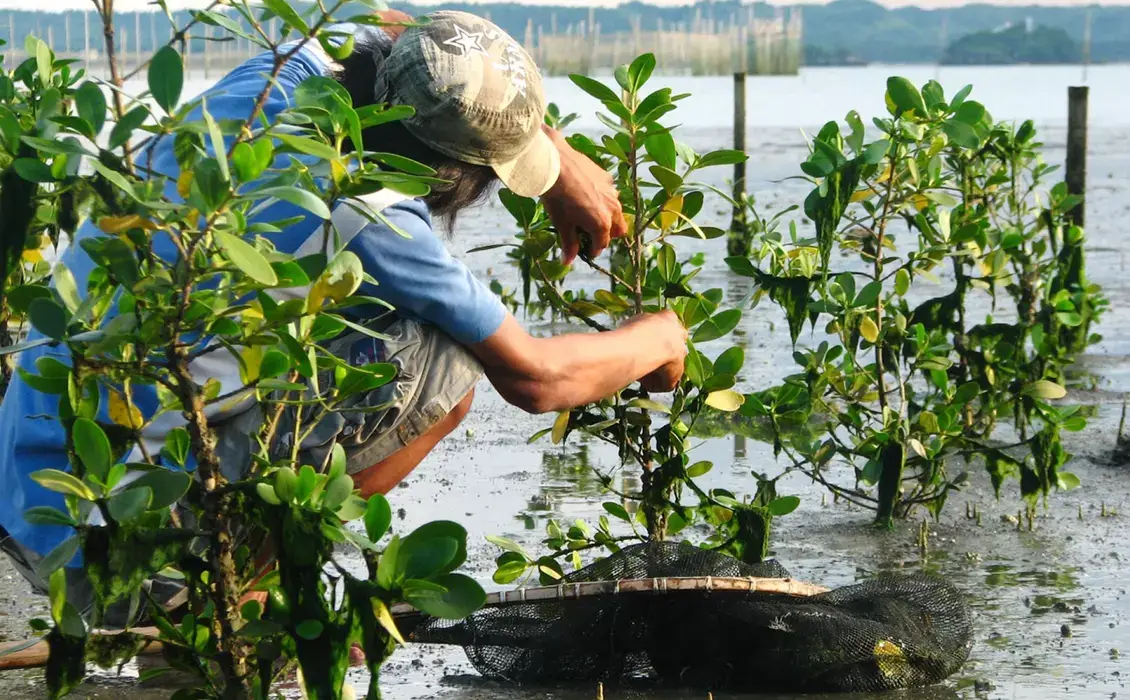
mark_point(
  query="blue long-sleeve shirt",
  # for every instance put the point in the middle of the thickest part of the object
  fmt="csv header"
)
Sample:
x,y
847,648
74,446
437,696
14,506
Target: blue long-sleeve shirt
x,y
416,275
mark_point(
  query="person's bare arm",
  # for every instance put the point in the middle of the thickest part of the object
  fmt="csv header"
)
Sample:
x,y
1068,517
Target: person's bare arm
x,y
582,201
394,30
540,375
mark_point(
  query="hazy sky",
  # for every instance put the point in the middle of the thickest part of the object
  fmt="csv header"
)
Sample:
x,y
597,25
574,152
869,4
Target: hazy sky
x,y
129,5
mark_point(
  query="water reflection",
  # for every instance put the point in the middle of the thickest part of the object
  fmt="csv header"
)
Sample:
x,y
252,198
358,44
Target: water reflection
x,y
572,476
1005,575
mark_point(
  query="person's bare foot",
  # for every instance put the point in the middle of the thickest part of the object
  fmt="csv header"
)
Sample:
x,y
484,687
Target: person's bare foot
x,y
356,656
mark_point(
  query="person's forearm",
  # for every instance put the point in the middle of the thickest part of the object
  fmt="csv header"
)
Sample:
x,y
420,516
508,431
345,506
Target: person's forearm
x,y
571,370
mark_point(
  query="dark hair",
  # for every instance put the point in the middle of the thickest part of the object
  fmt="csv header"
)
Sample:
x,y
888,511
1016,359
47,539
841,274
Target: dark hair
x,y
466,183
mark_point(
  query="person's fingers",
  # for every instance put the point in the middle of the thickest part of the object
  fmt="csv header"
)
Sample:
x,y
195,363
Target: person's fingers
x,y
619,225
570,244
599,238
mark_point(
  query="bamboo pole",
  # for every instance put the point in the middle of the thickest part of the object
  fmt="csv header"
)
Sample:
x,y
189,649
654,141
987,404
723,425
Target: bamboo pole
x,y
738,241
35,655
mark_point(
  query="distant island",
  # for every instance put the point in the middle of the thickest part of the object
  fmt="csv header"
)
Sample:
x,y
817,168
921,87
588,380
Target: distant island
x,y
842,32
1014,44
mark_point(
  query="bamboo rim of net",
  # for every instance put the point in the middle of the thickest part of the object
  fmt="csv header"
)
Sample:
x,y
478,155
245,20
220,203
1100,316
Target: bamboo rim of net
x,y
592,589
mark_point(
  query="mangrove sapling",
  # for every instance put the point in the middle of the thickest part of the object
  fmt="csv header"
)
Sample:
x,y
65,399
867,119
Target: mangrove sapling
x,y
137,323
653,173
907,387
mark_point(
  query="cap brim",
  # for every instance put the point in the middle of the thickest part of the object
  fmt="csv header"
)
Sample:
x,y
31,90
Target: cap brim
x,y
535,171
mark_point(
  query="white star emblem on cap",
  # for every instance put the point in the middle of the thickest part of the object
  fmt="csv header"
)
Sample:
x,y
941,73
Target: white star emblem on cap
x,y
467,41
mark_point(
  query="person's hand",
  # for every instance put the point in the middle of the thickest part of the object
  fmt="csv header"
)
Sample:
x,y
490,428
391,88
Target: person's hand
x,y
394,30
668,331
583,200
664,379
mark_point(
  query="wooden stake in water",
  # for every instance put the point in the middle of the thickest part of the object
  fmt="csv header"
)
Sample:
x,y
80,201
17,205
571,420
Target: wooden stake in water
x,y
738,241
1076,175
86,40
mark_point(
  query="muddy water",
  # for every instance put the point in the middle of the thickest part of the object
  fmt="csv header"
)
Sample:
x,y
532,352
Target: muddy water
x,y
1068,576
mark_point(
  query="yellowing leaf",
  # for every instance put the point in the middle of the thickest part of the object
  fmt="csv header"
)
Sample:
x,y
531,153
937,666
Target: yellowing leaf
x,y
886,174
891,107
863,194
630,221
254,310
1043,389
559,427
915,445
725,400
890,659
339,280
184,183
32,255
381,612
869,330
123,412
670,214
920,201
122,224
338,171
252,358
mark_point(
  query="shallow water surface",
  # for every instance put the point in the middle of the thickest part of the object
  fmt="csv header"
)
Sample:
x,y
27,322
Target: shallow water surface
x,y
1025,587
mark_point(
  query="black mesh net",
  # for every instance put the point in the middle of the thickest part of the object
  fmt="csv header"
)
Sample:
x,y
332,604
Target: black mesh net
x,y
888,633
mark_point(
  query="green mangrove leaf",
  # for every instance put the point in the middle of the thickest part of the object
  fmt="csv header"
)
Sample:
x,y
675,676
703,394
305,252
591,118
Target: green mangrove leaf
x,y
166,78
129,504
246,257
462,597
62,482
378,517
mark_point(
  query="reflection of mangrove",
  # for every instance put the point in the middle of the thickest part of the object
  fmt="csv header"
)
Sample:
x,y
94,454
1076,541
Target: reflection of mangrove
x,y
716,424
1004,575
569,473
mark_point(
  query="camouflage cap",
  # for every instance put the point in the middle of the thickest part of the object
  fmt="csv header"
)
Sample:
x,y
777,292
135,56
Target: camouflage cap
x,y
478,98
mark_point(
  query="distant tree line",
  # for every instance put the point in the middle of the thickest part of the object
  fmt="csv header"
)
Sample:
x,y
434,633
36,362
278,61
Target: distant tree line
x,y
843,31
1017,44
